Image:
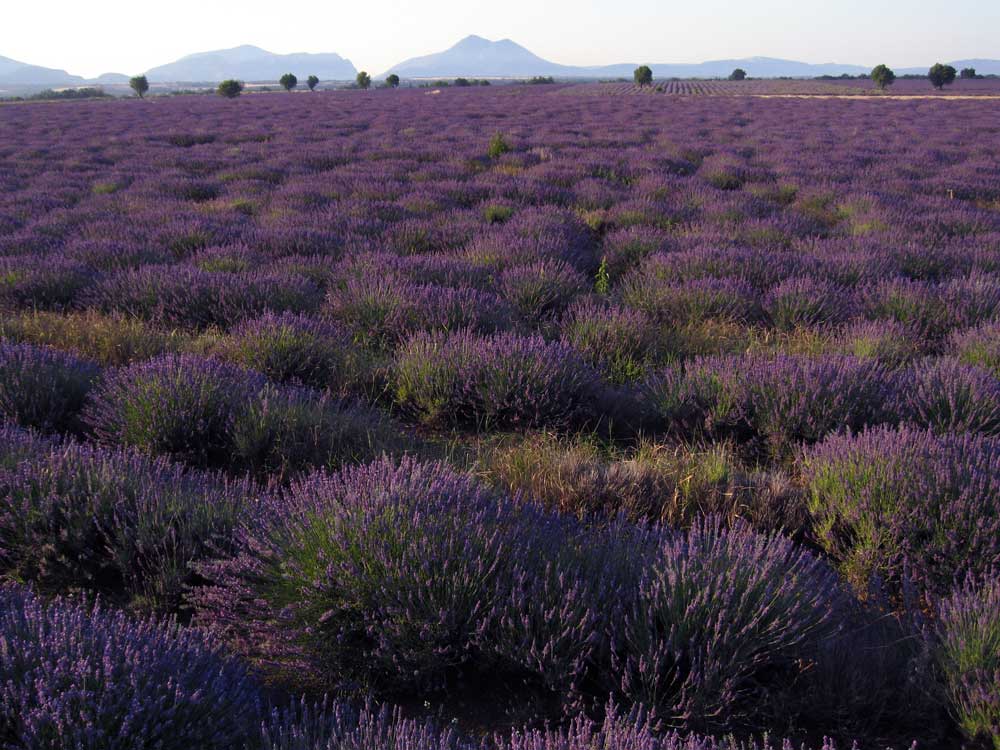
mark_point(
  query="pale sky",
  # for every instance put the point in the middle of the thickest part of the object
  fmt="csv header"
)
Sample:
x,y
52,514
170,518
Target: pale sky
x,y
131,36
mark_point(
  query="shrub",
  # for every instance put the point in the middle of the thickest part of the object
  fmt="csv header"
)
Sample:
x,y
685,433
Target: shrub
x,y
42,283
44,388
969,653
978,346
179,405
293,348
541,290
334,725
495,382
691,301
289,81
915,304
82,517
73,675
947,396
891,504
806,302
885,340
391,576
230,89
618,341
498,146
781,401
281,432
381,311
191,298
718,613
882,76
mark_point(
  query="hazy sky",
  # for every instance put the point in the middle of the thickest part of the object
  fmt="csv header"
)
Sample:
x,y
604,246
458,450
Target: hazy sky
x,y
130,36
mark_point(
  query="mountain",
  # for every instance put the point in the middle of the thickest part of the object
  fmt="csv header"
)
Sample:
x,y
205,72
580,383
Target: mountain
x,y
109,79
984,67
19,73
249,63
479,57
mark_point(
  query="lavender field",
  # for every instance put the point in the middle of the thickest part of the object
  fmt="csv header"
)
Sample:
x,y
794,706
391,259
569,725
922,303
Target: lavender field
x,y
520,418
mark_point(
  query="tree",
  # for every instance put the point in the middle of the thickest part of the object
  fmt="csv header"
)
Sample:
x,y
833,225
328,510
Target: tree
x,y
968,73
363,80
392,81
643,75
288,81
941,75
738,75
139,85
312,82
230,88
882,76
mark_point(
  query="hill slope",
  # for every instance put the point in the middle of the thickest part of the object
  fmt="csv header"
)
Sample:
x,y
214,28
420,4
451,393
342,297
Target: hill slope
x,y
251,63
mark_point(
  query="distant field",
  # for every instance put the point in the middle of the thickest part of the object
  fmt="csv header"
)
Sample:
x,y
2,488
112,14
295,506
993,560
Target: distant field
x,y
634,421
908,87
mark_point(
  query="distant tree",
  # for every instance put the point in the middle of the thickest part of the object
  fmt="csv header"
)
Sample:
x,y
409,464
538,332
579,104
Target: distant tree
x,y
312,82
230,89
738,75
941,75
643,75
462,82
882,76
288,81
363,80
139,85
968,73
392,81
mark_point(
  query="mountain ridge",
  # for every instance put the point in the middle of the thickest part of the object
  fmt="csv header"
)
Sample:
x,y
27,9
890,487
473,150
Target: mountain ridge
x,y
473,56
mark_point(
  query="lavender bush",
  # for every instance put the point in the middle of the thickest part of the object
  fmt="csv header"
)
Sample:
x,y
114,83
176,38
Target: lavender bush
x,y
494,382
969,653
43,387
180,405
80,517
717,613
897,504
75,675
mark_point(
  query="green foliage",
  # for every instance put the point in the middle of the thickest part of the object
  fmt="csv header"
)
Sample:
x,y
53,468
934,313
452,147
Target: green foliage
x,y
139,85
230,88
498,146
392,81
312,82
941,75
969,656
497,214
968,74
541,80
643,75
462,82
882,76
602,281
363,80
288,81
738,75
